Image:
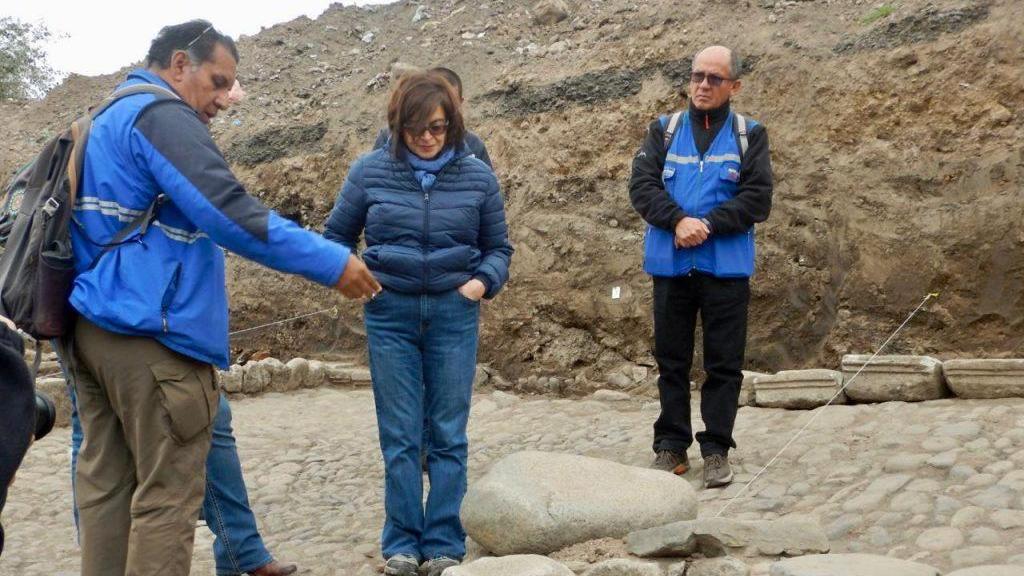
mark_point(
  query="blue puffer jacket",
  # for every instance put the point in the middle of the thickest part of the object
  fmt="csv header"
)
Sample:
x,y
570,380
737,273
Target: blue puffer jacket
x,y
424,242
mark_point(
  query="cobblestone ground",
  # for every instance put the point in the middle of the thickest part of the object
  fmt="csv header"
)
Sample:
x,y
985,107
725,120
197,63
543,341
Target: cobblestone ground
x,y
941,482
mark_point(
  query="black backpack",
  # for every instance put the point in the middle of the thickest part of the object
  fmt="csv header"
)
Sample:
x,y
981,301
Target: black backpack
x,y
37,266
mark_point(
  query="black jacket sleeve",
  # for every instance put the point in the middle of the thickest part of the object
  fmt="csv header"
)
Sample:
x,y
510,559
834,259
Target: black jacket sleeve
x,y
646,190
753,202
17,410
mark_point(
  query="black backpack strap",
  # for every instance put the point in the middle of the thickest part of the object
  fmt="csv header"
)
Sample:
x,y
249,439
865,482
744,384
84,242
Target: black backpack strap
x,y
142,221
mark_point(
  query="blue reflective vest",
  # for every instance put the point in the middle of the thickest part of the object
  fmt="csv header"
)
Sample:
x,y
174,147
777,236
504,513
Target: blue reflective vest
x,y
699,184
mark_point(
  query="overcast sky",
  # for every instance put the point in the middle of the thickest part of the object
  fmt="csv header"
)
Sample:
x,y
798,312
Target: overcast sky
x,y
101,36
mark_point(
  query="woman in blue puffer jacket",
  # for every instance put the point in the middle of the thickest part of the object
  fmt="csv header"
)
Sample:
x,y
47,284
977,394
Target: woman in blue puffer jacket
x,y
437,241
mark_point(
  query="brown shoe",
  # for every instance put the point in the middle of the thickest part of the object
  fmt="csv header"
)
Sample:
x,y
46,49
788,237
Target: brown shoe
x,y
275,568
669,461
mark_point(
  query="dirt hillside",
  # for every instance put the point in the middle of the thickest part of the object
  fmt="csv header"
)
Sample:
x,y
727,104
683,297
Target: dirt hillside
x,y
896,140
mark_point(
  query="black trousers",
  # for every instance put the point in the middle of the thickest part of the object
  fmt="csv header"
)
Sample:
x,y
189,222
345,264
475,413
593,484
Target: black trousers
x,y
722,304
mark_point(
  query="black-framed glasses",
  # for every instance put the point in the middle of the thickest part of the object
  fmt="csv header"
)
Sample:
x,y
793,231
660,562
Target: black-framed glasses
x,y
714,80
436,128
196,39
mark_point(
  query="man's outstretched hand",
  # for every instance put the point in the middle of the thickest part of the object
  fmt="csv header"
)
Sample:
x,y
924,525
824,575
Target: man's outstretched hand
x,y
357,281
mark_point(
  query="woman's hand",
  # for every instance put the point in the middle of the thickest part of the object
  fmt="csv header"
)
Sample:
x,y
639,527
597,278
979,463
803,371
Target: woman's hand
x,y
474,290
8,323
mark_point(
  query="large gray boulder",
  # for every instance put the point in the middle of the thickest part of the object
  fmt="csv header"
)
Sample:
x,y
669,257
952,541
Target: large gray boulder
x,y
850,565
789,536
798,389
987,378
889,378
517,565
539,502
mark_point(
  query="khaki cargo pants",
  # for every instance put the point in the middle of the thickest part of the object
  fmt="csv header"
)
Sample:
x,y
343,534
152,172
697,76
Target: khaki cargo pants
x,y
146,414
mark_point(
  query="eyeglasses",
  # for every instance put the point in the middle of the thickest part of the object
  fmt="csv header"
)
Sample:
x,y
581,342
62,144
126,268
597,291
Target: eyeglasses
x,y
196,39
714,80
436,128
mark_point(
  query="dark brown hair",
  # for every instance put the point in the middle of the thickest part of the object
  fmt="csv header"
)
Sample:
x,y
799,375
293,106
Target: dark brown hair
x,y
416,96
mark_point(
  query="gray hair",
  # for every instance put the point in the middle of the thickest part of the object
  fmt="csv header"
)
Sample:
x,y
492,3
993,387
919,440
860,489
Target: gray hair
x,y
735,61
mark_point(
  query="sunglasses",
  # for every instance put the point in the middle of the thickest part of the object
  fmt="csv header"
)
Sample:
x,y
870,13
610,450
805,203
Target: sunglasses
x,y
714,80
436,128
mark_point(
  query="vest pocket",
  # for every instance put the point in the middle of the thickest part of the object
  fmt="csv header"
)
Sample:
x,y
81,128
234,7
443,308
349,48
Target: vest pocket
x,y
734,254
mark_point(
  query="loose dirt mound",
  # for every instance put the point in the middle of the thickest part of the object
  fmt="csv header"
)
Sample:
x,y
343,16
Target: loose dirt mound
x,y
896,144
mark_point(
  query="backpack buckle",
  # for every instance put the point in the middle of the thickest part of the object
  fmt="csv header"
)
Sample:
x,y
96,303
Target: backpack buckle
x,y
51,207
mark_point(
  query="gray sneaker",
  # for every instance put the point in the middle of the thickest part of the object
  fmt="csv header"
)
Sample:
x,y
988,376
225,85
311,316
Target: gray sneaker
x,y
717,471
437,566
402,565
669,461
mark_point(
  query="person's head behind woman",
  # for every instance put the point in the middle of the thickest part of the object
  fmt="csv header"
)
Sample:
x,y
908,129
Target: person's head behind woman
x,y
424,115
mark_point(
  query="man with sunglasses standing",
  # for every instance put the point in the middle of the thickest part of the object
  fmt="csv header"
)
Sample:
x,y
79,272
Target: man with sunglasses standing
x,y
156,206
701,180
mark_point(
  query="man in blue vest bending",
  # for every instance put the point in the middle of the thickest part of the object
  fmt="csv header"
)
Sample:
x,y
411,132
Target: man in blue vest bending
x,y
701,180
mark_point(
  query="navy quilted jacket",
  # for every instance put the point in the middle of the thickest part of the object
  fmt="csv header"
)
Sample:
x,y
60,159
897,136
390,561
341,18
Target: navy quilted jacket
x,y
424,242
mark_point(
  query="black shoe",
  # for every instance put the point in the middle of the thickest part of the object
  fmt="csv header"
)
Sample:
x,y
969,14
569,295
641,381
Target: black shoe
x,y
717,471
669,461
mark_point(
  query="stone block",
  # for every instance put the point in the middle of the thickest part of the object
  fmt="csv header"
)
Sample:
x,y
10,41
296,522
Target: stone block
x,y
850,565
516,565
985,378
317,375
798,389
623,567
789,536
893,378
232,379
257,378
747,388
991,570
298,372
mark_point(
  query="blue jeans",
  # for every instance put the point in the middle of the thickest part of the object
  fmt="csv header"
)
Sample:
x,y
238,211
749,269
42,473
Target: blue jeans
x,y
237,545
422,362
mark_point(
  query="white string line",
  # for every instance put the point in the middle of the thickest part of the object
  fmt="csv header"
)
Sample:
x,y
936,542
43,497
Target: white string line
x,y
333,309
821,410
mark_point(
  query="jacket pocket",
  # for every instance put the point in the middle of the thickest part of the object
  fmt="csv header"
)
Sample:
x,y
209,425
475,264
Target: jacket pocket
x,y
168,299
188,396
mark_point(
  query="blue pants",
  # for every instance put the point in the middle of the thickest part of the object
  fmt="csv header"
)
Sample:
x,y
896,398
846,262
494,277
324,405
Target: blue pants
x,y
422,362
237,546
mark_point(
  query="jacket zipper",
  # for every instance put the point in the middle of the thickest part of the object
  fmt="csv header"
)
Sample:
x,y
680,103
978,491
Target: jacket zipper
x,y
426,218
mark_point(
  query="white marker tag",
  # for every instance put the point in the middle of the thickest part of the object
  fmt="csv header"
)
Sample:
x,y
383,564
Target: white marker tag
x,y
616,293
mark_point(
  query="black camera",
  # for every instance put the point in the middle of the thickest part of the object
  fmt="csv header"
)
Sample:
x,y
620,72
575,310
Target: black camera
x,y
46,415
